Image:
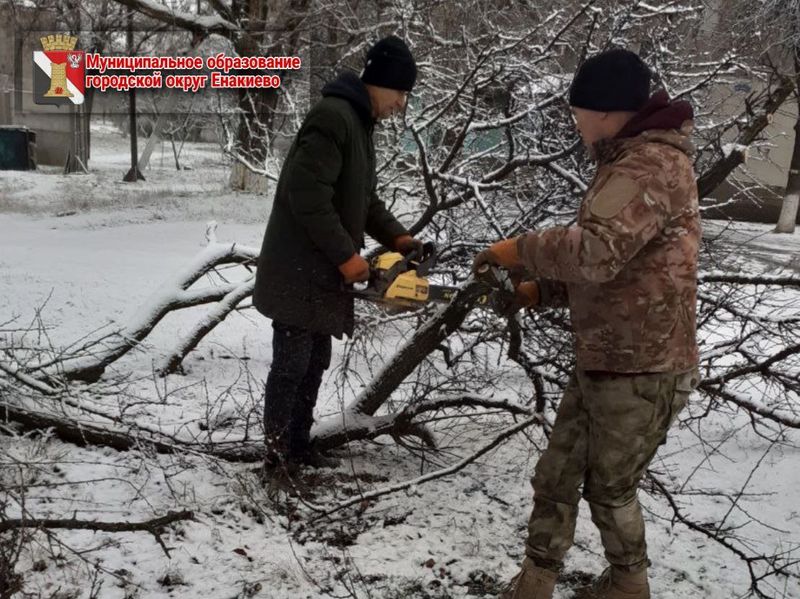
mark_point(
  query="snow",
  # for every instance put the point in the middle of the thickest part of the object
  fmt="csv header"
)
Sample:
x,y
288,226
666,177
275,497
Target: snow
x,y
728,149
778,253
447,537
202,22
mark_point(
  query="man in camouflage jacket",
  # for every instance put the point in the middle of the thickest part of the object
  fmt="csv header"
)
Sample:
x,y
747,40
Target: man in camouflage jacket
x,y
628,271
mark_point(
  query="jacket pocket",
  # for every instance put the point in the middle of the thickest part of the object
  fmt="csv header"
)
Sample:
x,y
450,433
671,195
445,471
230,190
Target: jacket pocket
x,y
659,390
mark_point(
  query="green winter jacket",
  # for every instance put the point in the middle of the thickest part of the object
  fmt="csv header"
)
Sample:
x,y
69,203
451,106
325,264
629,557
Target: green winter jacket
x,y
324,204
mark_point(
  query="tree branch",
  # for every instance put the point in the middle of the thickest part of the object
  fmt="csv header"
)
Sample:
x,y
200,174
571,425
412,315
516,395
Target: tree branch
x,y
719,171
196,24
151,526
365,497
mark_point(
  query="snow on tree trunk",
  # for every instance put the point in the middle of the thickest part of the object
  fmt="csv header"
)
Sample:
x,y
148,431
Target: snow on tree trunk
x,y
215,316
173,294
788,217
358,419
791,199
244,179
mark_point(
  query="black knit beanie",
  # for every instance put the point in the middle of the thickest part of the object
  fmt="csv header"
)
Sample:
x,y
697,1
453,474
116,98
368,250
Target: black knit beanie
x,y
613,80
390,64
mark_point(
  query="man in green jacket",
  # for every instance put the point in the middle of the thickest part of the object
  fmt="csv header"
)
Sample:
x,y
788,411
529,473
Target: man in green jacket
x,y
324,204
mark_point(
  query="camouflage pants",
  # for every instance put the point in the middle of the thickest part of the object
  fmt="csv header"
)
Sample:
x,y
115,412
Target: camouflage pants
x,y
607,431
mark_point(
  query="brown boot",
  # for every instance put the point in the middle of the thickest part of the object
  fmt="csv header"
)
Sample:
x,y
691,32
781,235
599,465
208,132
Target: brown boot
x,y
532,582
615,583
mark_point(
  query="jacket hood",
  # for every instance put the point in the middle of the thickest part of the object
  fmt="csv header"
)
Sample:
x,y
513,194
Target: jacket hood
x,y
350,87
659,112
660,120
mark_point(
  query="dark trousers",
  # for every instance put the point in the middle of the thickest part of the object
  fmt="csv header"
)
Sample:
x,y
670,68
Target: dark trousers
x,y
299,359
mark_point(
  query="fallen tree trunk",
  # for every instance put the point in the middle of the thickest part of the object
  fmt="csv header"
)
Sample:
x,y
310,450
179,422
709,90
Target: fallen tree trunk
x,y
424,340
207,324
171,295
356,420
83,433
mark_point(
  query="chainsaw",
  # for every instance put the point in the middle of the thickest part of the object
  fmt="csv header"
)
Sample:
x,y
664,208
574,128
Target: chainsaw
x,y
399,282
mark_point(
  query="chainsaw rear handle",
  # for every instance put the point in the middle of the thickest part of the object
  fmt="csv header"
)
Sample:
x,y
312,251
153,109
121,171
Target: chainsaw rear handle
x,y
425,261
428,251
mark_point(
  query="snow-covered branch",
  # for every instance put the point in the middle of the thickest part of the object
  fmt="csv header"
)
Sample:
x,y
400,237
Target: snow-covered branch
x,y
173,294
191,22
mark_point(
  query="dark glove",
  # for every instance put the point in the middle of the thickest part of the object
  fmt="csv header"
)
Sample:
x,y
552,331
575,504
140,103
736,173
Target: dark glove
x,y
405,244
526,295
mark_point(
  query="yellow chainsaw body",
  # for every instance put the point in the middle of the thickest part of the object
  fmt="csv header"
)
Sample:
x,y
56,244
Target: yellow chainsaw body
x,y
399,290
407,285
386,260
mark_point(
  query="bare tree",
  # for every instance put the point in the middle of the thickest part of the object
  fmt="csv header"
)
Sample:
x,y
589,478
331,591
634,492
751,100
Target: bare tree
x,y
773,27
485,151
253,27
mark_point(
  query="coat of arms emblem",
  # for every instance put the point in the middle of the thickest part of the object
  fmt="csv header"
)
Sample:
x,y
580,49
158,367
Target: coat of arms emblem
x,y
58,71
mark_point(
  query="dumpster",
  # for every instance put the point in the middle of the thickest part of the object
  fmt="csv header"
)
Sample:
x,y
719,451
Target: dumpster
x,y
17,148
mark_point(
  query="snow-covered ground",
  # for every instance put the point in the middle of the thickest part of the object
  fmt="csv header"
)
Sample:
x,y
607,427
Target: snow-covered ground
x,y
748,241
80,251
100,198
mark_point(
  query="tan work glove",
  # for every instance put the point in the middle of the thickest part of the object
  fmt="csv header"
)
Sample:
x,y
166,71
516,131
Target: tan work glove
x,y
503,253
355,269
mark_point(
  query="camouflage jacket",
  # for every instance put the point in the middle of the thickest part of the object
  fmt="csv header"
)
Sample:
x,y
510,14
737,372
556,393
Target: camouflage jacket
x,y
628,267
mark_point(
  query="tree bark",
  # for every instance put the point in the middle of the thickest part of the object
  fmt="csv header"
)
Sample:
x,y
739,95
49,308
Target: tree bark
x,y
424,341
719,171
88,434
791,197
257,107
75,524
153,526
